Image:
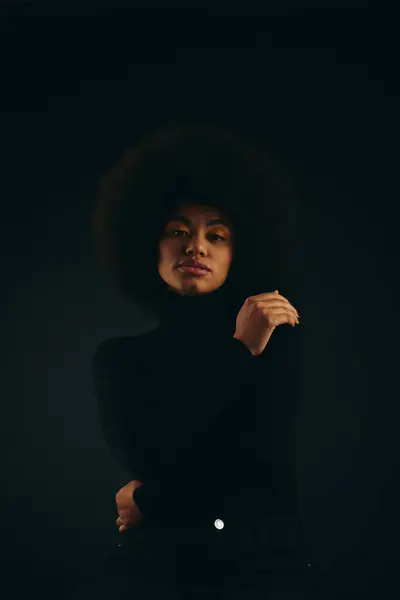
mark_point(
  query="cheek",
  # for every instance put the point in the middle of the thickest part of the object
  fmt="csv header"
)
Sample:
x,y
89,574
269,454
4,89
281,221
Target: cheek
x,y
166,253
224,260
228,258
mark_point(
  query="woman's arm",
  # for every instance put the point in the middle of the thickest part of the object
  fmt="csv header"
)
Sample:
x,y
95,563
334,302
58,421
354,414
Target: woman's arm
x,y
272,391
133,415
111,393
138,429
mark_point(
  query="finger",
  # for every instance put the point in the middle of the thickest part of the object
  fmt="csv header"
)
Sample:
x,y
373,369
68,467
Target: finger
x,y
279,318
286,302
293,311
123,525
272,297
282,305
266,295
122,529
278,305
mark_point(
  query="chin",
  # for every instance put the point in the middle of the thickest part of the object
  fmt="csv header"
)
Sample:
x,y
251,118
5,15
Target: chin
x,y
192,288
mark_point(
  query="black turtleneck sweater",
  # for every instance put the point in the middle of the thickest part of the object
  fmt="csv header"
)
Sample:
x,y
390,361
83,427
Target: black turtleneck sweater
x,y
189,411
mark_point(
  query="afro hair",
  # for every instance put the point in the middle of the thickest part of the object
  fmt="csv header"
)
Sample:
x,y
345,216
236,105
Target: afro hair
x,y
204,165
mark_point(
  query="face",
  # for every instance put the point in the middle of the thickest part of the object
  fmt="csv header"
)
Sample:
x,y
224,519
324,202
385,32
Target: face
x,y
195,233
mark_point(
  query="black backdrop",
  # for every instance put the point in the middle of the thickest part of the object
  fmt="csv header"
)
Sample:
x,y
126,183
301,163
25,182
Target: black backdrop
x,y
78,85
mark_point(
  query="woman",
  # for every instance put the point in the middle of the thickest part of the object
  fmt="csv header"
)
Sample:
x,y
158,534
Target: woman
x,y
197,228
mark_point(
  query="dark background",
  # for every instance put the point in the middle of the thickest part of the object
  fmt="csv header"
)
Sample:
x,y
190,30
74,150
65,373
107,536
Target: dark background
x,y
319,85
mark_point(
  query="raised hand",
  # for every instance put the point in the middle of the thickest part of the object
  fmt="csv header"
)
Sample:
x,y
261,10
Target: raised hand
x,y
258,318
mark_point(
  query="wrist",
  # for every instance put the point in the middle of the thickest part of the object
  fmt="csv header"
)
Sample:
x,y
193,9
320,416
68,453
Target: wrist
x,y
238,337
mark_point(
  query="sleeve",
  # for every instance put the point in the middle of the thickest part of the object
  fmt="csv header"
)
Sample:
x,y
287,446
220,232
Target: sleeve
x,y
178,428
110,390
274,375
280,383
140,428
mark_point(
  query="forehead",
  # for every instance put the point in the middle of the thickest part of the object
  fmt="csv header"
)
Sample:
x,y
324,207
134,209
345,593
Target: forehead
x,y
200,212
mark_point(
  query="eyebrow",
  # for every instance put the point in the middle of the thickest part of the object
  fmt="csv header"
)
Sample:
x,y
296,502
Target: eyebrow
x,y
215,221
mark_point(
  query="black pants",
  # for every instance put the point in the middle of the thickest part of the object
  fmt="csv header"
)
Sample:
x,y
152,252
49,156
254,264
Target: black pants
x,y
158,564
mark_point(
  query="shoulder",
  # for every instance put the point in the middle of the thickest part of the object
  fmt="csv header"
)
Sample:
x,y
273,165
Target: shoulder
x,y
120,347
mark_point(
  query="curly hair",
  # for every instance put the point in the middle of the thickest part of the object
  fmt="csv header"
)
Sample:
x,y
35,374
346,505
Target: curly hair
x,y
204,165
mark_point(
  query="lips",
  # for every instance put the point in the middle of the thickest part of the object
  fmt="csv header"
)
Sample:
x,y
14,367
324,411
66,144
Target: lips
x,y
195,264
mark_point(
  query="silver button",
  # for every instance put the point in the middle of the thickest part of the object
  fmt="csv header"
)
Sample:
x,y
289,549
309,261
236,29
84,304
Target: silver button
x,y
219,524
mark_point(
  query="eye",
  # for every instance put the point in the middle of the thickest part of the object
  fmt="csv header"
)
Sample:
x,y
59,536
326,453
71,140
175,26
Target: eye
x,y
220,238
178,232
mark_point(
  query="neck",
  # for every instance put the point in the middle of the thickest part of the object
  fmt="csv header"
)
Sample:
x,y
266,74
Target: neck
x,y
199,316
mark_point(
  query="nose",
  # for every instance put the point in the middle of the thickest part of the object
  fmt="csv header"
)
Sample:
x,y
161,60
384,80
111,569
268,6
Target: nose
x,y
196,246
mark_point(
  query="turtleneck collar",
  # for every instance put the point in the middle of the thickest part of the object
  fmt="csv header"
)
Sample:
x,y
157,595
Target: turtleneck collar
x,y
212,314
